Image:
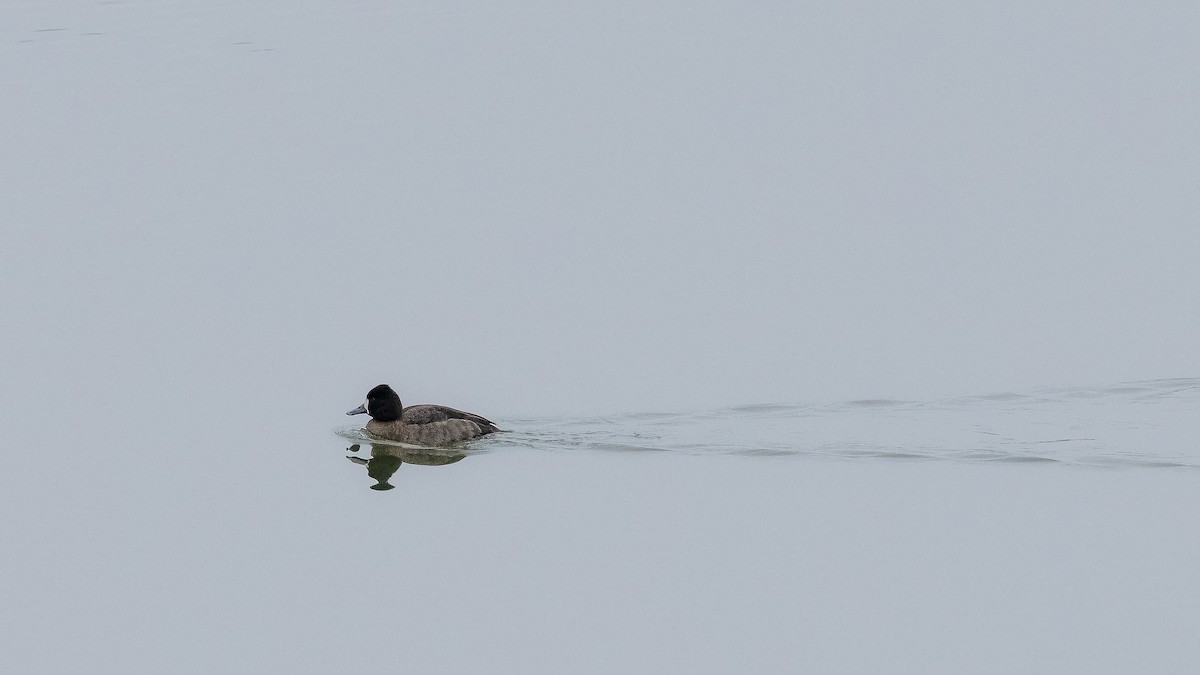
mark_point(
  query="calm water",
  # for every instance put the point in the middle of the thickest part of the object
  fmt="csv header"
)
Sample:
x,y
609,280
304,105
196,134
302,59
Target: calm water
x,y
1134,425
1041,531
224,222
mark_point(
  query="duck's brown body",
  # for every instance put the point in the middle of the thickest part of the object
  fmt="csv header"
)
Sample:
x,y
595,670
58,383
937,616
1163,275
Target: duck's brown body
x,y
432,425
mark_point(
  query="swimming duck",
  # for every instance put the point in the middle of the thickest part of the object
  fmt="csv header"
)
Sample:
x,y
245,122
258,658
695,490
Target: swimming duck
x,y
419,424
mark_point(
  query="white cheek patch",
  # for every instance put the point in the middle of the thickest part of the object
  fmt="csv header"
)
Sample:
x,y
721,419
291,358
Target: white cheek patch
x,y
367,406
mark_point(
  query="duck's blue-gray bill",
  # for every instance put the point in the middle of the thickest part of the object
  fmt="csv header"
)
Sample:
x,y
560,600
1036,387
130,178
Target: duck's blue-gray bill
x,y
359,410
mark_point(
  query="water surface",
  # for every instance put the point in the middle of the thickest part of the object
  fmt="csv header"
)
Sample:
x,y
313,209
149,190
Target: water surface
x,y
746,248
1134,425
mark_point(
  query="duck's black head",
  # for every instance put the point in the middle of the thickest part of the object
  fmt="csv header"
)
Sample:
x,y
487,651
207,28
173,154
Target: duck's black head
x,y
382,404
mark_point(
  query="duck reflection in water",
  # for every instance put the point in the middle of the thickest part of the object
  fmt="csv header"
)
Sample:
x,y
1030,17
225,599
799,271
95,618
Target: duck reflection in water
x,y
386,459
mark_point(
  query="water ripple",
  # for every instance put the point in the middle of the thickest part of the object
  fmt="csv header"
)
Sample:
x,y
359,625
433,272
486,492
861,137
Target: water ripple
x,y
1147,424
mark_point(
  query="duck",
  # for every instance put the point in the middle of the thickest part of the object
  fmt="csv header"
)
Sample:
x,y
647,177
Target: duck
x,y
419,424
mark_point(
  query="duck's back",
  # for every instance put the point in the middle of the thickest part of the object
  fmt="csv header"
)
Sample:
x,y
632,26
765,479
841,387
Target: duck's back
x,y
430,414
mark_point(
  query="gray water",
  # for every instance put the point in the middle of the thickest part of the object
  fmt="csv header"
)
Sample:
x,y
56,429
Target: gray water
x,y
1137,424
1049,530
847,338
1131,425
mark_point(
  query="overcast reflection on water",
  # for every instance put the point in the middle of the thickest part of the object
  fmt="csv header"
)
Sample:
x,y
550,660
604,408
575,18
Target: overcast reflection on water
x,y
827,338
